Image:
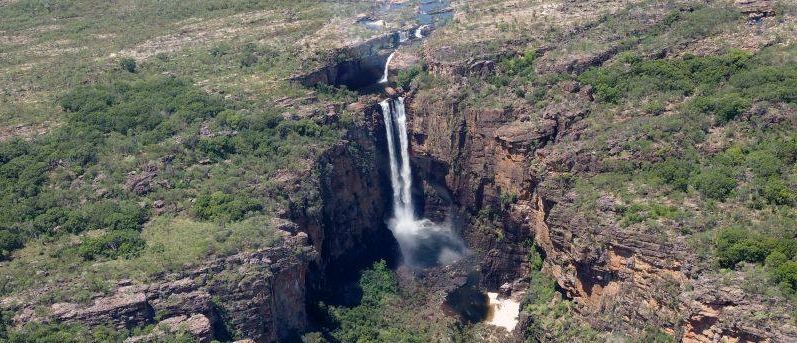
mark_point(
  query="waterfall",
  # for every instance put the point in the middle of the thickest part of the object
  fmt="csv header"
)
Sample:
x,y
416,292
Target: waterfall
x,y
387,68
419,32
423,243
400,173
403,37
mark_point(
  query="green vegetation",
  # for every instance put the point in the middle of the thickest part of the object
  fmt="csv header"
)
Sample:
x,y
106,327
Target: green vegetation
x,y
131,118
715,183
724,86
127,145
554,317
734,245
727,93
521,65
388,313
113,244
638,213
220,206
654,335
128,64
54,46
366,322
72,333
405,77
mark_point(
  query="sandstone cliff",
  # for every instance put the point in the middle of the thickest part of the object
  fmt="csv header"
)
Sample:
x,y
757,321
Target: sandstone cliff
x,y
258,295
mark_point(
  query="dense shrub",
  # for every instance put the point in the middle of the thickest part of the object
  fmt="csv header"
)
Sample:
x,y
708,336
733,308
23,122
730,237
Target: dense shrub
x,y
405,77
641,77
725,86
734,245
248,56
521,65
777,192
377,283
149,109
675,172
768,83
785,273
123,215
638,213
725,107
9,241
128,64
715,182
366,322
137,107
224,207
112,244
74,333
764,163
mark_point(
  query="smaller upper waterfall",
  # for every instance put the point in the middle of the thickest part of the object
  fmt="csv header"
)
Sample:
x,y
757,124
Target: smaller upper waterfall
x,y
403,36
423,243
387,68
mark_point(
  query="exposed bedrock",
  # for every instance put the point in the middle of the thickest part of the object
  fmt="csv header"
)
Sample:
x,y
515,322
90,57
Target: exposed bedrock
x,y
258,295
263,295
355,67
506,170
346,221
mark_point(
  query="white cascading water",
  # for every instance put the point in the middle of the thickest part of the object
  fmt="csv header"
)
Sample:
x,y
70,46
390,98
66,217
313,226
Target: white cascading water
x,y
403,37
423,243
387,68
419,32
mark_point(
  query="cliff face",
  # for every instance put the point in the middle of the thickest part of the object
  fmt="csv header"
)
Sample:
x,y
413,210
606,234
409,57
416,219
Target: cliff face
x,y
261,295
357,66
509,171
258,295
346,219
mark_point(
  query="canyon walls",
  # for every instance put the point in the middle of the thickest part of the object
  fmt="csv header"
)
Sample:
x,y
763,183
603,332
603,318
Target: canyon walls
x,y
258,295
510,171
345,220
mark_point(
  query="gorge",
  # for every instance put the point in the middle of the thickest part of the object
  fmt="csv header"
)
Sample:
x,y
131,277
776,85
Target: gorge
x,y
398,171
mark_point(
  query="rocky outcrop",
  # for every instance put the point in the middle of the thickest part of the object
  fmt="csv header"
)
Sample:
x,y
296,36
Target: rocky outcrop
x,y
509,171
259,295
756,8
197,325
732,314
345,220
489,153
356,66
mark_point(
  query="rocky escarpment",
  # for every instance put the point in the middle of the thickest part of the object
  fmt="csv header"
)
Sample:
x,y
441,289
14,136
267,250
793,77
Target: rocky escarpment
x,y
488,152
345,220
357,66
510,170
257,295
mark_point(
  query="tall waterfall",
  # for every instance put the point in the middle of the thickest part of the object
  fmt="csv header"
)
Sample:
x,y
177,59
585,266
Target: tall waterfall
x,y
423,243
387,68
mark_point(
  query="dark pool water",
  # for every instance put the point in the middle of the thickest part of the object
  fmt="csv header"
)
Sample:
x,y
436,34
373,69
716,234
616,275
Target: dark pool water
x,y
468,303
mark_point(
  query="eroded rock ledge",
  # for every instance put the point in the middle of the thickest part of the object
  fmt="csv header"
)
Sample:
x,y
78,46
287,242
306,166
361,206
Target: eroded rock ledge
x,y
620,278
259,295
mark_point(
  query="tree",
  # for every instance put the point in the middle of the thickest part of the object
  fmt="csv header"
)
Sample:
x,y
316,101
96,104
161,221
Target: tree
x,y
128,64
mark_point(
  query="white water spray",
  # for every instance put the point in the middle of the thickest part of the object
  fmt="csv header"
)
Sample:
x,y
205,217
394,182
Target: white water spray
x,y
419,32
423,243
387,68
